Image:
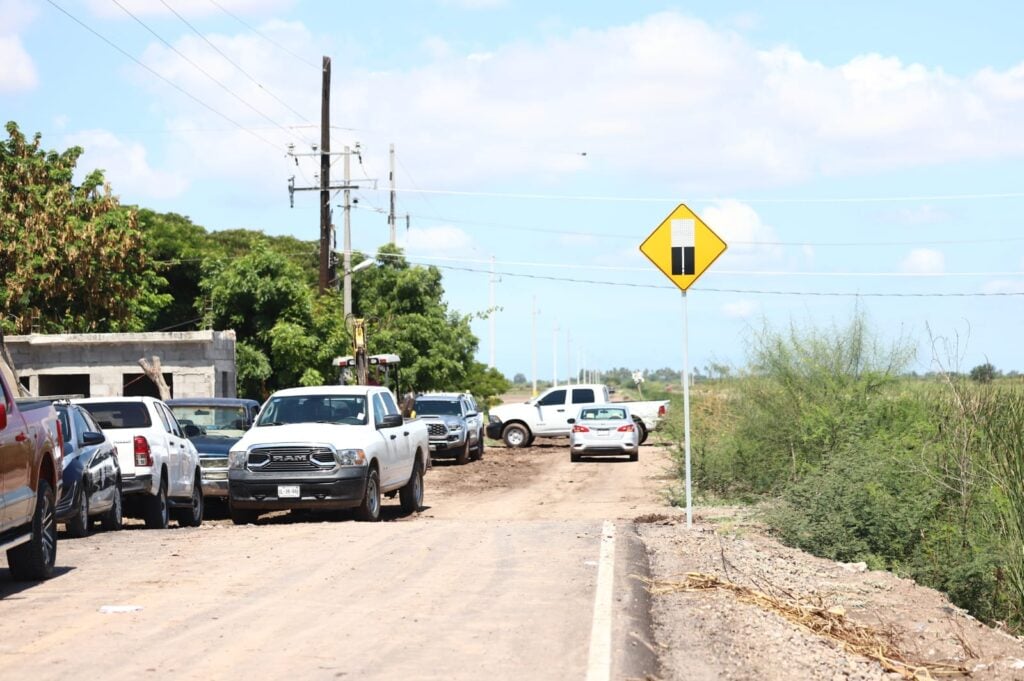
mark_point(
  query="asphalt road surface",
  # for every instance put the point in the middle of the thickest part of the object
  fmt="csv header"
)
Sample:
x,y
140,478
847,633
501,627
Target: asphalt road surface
x,y
521,566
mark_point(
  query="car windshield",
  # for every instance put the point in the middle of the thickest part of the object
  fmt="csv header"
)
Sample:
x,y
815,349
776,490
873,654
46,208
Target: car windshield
x,y
437,408
603,414
214,421
119,414
339,409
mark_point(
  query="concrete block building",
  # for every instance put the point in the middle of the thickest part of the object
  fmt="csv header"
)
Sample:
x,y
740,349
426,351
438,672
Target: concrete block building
x,y
194,363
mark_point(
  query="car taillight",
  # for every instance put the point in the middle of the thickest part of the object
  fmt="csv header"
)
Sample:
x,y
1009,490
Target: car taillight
x,y
661,410
143,455
626,429
580,429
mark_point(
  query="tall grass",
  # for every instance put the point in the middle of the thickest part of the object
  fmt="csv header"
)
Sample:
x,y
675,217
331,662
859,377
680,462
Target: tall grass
x,y
859,462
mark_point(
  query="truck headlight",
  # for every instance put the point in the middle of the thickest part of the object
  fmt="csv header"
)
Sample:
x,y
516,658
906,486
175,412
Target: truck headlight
x,y
455,428
236,459
351,457
491,418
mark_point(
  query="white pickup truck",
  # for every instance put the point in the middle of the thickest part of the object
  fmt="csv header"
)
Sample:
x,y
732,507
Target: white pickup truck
x,y
328,447
547,414
160,474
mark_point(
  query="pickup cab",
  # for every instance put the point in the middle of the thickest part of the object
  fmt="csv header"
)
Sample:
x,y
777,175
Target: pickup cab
x,y
30,464
160,474
548,414
454,425
328,447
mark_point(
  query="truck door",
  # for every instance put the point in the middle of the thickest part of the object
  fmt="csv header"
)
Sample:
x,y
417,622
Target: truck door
x,y
16,450
392,438
176,455
551,414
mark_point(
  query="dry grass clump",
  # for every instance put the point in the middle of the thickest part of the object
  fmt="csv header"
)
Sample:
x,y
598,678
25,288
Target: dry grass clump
x,y
828,622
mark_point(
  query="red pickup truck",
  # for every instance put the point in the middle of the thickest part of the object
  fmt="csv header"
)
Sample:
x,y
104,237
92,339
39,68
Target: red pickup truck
x,y
30,467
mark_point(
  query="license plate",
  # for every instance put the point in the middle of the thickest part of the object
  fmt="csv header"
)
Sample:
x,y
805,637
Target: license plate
x,y
288,492
603,432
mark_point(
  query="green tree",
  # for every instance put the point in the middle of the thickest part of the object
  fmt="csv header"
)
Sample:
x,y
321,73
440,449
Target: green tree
x,y
984,373
71,256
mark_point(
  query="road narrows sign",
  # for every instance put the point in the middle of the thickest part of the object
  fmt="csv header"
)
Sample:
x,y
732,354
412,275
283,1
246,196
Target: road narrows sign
x,y
682,247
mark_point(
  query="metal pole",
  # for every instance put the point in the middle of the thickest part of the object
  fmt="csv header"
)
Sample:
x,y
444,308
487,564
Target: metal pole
x,y
325,179
346,256
533,335
391,213
686,414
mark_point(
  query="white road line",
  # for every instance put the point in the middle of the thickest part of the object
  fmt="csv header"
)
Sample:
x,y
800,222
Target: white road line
x,y
599,666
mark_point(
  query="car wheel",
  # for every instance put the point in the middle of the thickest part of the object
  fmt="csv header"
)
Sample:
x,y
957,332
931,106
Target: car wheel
x,y
575,458
193,515
157,514
463,456
113,520
411,495
634,457
78,525
241,516
479,453
369,509
516,435
34,560
641,431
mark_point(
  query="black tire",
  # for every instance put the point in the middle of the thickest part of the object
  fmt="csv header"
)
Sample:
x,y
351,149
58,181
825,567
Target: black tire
x,y
641,431
157,513
478,453
113,519
193,515
411,495
516,435
34,560
462,457
78,525
240,516
575,458
369,508
634,457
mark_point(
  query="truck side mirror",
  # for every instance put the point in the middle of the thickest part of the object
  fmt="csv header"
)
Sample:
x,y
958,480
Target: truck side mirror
x,y
3,415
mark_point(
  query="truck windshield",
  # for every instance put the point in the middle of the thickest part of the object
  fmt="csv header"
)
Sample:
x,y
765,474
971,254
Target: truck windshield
x,y
437,408
338,409
119,414
215,421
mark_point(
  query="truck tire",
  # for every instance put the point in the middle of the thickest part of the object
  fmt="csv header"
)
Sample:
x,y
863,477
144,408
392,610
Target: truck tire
x,y
242,516
78,525
462,457
113,519
641,431
33,561
193,515
369,509
411,495
516,435
479,452
157,513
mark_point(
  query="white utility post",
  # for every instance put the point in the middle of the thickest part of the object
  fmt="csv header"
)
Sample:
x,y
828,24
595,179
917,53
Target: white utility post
x,y
490,315
533,344
391,213
346,255
686,412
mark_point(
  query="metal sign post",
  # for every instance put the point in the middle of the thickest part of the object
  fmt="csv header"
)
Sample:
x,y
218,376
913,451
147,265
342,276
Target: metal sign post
x,y
683,247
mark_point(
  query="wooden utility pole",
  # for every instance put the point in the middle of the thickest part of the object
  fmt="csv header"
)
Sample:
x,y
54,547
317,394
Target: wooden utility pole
x,y
391,214
327,274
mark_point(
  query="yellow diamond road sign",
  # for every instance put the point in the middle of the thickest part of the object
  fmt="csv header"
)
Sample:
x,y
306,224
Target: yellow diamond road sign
x,y
683,247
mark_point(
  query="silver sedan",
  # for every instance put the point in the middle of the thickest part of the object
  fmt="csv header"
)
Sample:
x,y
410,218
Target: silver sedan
x,y
603,430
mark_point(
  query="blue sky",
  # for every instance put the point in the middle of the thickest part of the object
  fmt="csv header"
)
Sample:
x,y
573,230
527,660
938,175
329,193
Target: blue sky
x,y
850,154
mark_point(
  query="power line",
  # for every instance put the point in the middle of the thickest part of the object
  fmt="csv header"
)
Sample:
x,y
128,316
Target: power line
x,y
269,40
605,198
169,82
233,63
203,71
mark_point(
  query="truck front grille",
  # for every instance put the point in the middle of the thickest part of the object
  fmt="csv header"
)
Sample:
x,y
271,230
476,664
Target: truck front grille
x,y
437,429
291,459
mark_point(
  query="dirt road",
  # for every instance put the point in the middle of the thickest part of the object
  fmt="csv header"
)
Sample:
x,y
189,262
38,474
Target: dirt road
x,y
498,577
522,566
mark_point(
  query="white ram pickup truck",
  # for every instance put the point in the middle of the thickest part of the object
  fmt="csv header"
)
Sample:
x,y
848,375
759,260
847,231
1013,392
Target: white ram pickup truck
x,y
328,447
547,414
160,473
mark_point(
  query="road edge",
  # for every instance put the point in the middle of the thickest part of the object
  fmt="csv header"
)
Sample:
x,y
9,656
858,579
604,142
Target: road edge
x,y
637,656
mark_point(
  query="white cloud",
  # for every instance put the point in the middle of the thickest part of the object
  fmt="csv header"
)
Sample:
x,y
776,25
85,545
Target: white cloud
x,y
749,240
192,8
443,240
18,72
740,309
924,261
126,167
